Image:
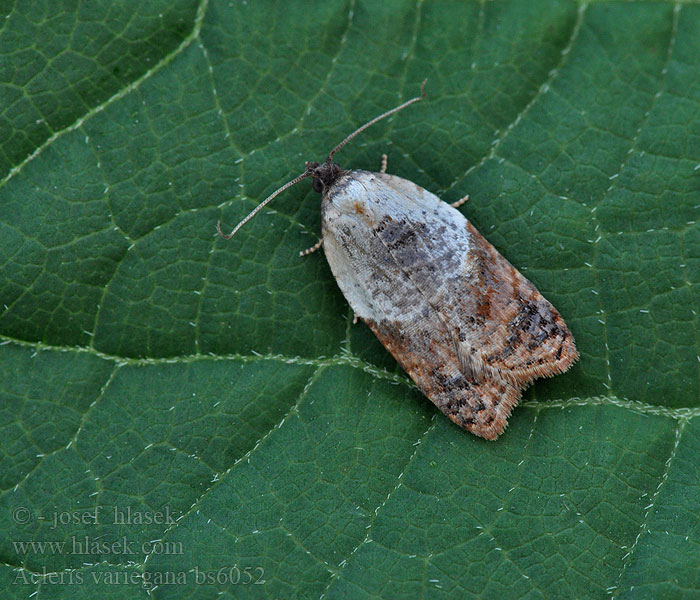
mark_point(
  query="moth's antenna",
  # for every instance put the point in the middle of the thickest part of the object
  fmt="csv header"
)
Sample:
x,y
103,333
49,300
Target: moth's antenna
x,y
309,172
228,236
379,118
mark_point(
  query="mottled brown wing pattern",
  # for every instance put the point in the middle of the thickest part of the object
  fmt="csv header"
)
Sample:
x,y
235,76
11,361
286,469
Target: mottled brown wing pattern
x,y
480,405
490,337
506,328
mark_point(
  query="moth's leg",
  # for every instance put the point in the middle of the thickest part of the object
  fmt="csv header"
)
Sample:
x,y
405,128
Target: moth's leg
x,y
354,318
313,248
459,202
384,160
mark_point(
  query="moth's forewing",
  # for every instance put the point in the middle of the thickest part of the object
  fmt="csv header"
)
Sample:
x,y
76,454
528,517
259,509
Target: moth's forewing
x,y
512,330
467,327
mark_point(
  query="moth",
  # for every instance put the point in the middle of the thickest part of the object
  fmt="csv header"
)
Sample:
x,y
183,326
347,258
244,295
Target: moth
x,y
467,327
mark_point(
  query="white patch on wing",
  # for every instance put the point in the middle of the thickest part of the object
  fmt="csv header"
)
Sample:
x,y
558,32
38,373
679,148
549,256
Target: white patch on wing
x,y
367,217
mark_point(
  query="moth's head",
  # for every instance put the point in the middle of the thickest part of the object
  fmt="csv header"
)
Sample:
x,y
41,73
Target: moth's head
x,y
324,174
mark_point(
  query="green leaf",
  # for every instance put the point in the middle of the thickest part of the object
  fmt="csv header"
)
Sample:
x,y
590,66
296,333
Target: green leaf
x,y
188,417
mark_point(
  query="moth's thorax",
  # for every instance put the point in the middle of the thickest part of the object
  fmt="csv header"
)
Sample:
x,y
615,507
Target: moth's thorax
x,y
378,199
353,195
